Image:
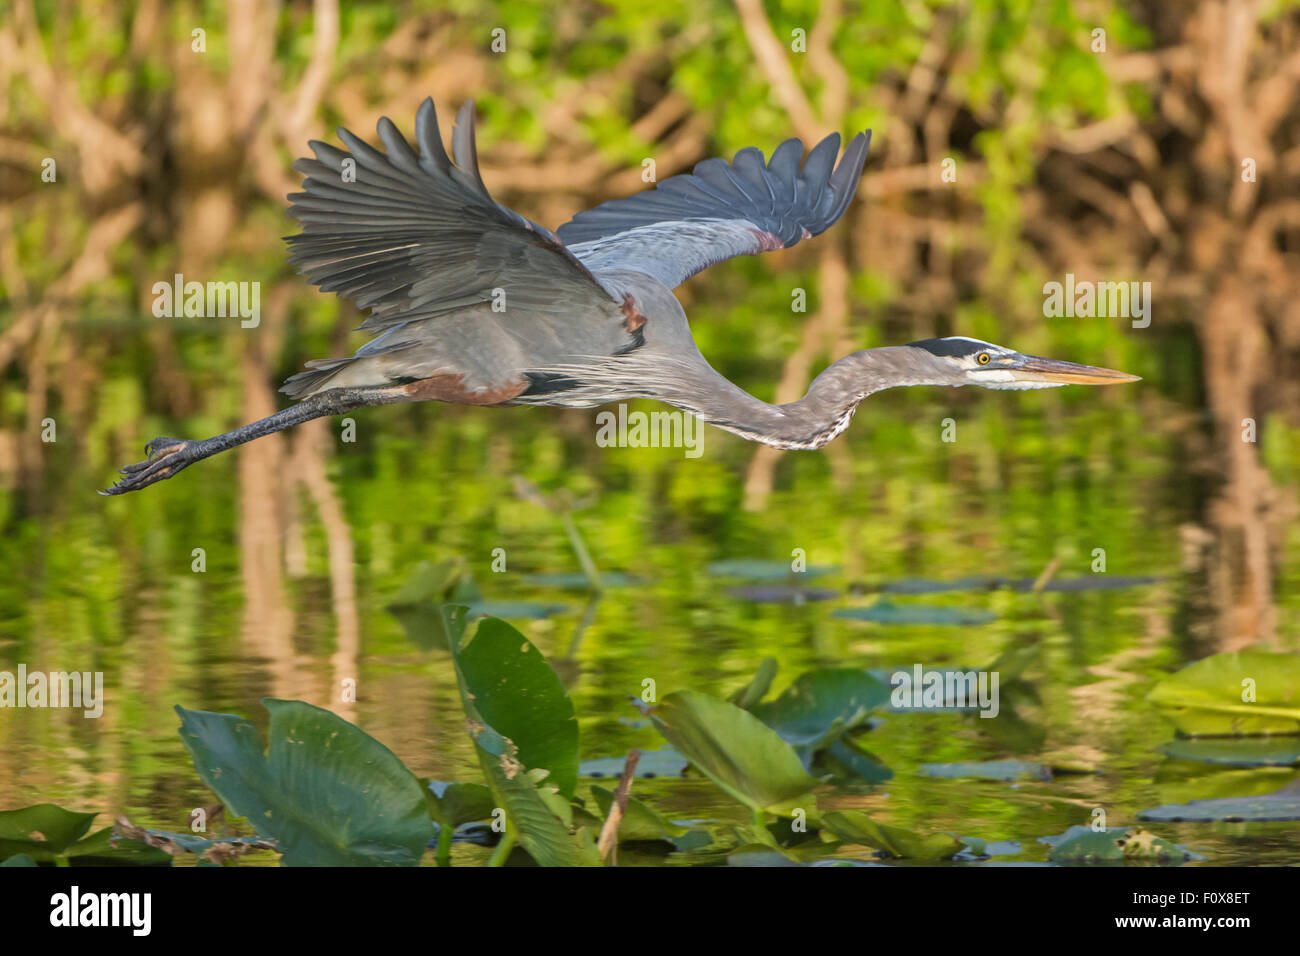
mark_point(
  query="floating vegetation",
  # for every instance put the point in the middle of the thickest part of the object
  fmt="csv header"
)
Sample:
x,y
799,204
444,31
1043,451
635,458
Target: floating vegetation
x,y
748,569
989,770
885,612
1236,751
780,594
987,582
1113,845
321,791
1282,805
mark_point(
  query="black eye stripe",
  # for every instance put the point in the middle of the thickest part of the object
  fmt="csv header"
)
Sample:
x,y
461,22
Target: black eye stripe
x,y
950,348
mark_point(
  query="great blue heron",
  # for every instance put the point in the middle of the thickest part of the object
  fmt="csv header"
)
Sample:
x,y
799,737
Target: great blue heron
x,y
473,304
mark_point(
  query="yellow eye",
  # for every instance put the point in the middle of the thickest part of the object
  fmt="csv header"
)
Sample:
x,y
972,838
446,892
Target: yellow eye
x,y
983,358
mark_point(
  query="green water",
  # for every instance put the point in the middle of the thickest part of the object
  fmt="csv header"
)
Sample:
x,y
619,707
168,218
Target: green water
x,y
108,585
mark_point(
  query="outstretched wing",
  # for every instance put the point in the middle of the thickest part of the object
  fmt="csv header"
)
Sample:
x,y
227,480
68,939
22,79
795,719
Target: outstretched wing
x,y
720,210
413,237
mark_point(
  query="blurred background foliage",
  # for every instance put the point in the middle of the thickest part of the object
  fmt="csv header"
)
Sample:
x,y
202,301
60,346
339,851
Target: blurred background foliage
x,y
1101,139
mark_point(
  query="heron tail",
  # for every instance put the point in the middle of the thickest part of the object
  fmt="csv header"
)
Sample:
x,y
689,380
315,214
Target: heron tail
x,y
320,372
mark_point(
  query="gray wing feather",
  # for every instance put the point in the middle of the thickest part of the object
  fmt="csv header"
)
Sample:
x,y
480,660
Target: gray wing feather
x,y
415,236
721,210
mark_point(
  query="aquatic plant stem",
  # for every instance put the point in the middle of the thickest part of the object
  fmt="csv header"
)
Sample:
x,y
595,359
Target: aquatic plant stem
x,y
502,851
443,855
580,549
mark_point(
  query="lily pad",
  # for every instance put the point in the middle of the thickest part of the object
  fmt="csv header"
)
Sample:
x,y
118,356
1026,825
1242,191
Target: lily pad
x,y
780,594
988,770
1236,751
327,792
854,826
577,581
1095,582
1243,692
1081,844
928,690
982,582
733,748
754,570
1282,805
884,612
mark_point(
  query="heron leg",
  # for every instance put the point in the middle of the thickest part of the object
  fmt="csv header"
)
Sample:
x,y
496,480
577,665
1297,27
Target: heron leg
x,y
169,456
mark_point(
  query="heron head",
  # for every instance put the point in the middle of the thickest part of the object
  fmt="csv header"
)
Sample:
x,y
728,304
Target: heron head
x,y
965,361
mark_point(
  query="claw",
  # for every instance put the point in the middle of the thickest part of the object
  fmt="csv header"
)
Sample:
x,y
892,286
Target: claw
x,y
167,456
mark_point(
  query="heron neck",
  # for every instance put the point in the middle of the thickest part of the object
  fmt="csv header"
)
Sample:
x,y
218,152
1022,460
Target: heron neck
x,y
828,407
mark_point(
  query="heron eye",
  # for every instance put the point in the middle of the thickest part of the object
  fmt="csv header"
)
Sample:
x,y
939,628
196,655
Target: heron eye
x,y
983,358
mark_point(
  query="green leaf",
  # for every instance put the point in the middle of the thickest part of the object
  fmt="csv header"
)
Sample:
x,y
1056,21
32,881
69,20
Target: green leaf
x,y
20,859
1207,697
747,697
43,831
733,748
525,735
640,822
847,759
820,706
531,816
507,684
325,791
1081,844
854,826
105,848
451,804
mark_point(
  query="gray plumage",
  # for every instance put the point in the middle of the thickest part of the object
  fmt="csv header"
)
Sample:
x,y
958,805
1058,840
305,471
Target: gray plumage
x,y
472,303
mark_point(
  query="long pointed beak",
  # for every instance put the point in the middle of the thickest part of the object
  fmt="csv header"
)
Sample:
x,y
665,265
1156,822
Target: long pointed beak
x,y
1034,369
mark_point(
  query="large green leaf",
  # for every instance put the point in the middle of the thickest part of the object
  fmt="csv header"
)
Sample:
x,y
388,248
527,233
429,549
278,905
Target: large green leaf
x,y
820,706
507,684
640,821
733,748
854,826
537,815
451,804
328,793
43,832
525,735
1207,697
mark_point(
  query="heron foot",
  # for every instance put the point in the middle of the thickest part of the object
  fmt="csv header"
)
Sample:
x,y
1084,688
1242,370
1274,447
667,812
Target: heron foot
x,y
167,457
